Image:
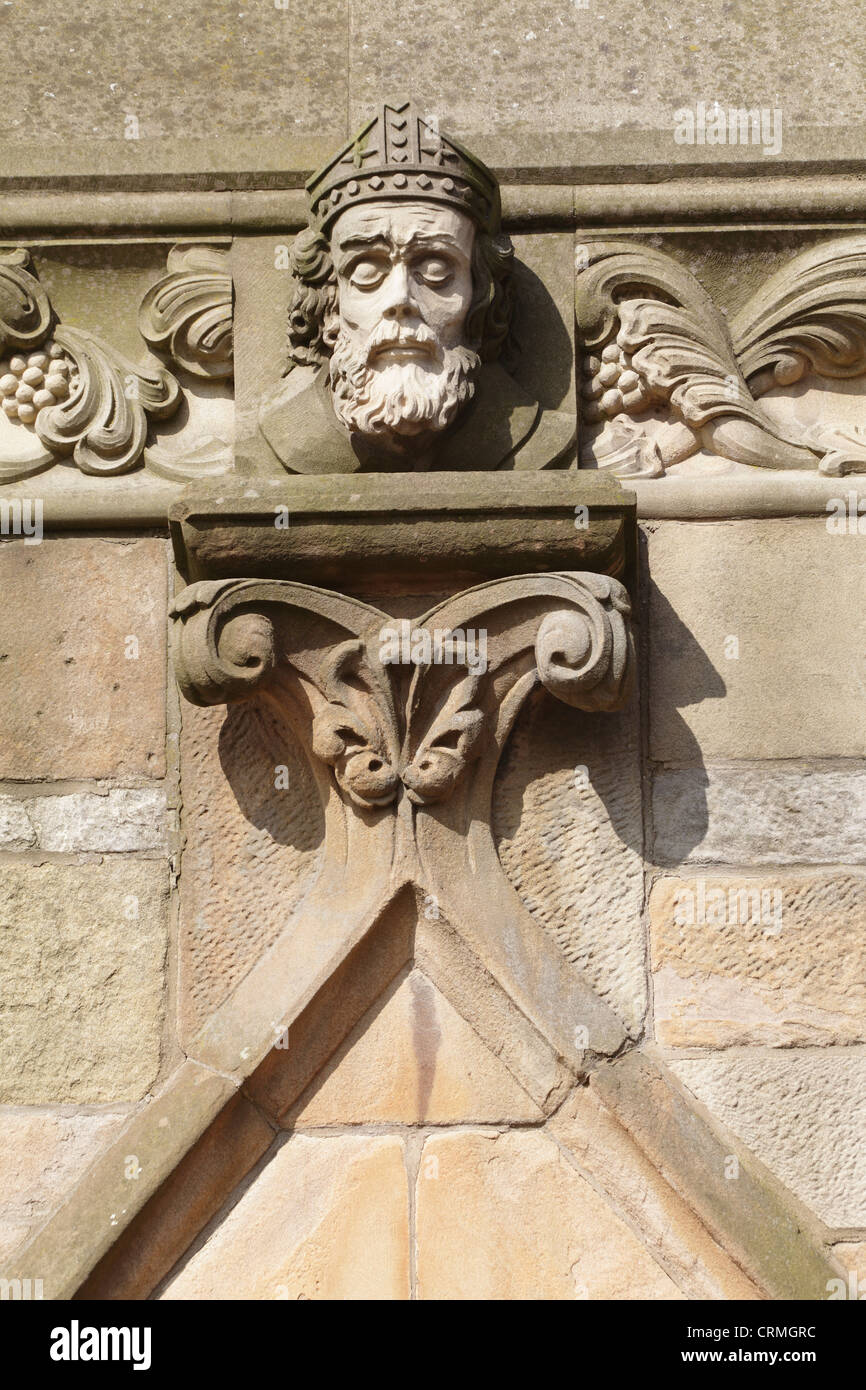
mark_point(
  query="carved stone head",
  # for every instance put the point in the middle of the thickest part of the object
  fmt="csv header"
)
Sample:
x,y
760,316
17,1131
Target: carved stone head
x,y
402,280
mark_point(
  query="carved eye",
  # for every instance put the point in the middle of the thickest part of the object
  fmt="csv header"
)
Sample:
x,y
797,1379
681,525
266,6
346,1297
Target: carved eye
x,y
367,274
434,270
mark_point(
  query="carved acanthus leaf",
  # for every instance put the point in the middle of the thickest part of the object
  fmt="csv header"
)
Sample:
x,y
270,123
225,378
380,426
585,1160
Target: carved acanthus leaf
x,y
674,339
103,420
452,740
809,315
356,733
25,313
188,312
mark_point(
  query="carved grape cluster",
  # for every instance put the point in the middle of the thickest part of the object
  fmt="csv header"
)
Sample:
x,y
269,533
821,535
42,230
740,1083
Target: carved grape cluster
x,y
28,384
612,385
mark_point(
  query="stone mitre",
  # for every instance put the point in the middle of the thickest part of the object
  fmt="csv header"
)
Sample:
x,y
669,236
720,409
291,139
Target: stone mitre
x,y
400,160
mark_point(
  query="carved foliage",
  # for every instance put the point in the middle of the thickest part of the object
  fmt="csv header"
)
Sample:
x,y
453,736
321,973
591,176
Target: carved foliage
x,y
811,314
101,421
569,631
657,342
25,313
188,313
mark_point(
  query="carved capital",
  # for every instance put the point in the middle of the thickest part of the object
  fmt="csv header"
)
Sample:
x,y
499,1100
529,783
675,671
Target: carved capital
x,y
395,708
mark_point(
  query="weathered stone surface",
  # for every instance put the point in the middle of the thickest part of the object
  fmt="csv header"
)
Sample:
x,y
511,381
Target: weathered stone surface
x,y
251,848
43,1154
511,72
529,1056
326,1218
124,818
83,994
802,1113
504,1215
413,1060
852,1257
770,1233
17,830
795,689
148,1149
181,1206
72,702
771,814
608,1155
568,825
182,73
773,960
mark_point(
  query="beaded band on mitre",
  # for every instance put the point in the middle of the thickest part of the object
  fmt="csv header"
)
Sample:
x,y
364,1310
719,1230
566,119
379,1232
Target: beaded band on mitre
x,y
400,154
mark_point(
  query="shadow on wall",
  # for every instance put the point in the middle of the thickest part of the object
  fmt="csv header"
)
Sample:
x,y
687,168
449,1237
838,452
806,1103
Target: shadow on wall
x,y
539,353
686,677
269,775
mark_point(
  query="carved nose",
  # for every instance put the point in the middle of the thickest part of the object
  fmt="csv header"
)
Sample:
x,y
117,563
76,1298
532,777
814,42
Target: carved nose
x,y
400,302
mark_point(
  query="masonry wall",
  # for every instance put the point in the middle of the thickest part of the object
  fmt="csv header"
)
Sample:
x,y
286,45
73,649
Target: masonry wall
x,y
700,856
744,772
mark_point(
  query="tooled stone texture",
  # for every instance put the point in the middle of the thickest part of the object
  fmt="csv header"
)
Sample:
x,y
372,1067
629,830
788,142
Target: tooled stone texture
x,y
412,1059
326,1218
505,1215
251,848
772,814
792,976
83,981
78,698
568,825
802,1113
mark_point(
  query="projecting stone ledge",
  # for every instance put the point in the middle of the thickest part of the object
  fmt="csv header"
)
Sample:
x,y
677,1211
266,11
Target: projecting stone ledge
x,y
423,530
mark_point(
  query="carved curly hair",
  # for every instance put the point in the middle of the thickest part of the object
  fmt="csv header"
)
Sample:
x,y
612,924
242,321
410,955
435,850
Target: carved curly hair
x,y
313,321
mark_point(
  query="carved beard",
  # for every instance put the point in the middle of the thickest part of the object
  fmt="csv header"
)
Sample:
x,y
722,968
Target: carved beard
x,y
387,398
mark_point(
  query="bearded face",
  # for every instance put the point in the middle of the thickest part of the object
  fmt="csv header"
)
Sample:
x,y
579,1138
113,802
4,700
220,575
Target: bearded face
x,y
400,368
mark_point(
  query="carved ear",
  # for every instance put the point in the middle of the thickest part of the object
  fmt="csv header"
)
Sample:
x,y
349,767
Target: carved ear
x,y
331,329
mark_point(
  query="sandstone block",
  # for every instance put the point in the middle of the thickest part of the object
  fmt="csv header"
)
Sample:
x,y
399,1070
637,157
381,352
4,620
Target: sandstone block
x,y
731,675
326,1218
760,815
124,818
82,996
413,1060
802,1113
505,1216
773,960
82,658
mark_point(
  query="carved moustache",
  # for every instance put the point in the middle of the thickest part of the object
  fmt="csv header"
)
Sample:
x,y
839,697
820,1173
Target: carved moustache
x,y
388,335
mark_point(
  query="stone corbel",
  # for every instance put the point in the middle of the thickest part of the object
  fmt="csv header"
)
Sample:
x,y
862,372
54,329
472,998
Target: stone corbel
x,y
403,724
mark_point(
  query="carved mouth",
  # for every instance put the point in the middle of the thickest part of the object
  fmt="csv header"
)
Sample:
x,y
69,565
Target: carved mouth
x,y
409,351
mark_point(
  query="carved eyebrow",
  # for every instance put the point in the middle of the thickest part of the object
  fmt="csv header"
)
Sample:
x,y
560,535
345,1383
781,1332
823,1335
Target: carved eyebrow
x,y
429,241
362,243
